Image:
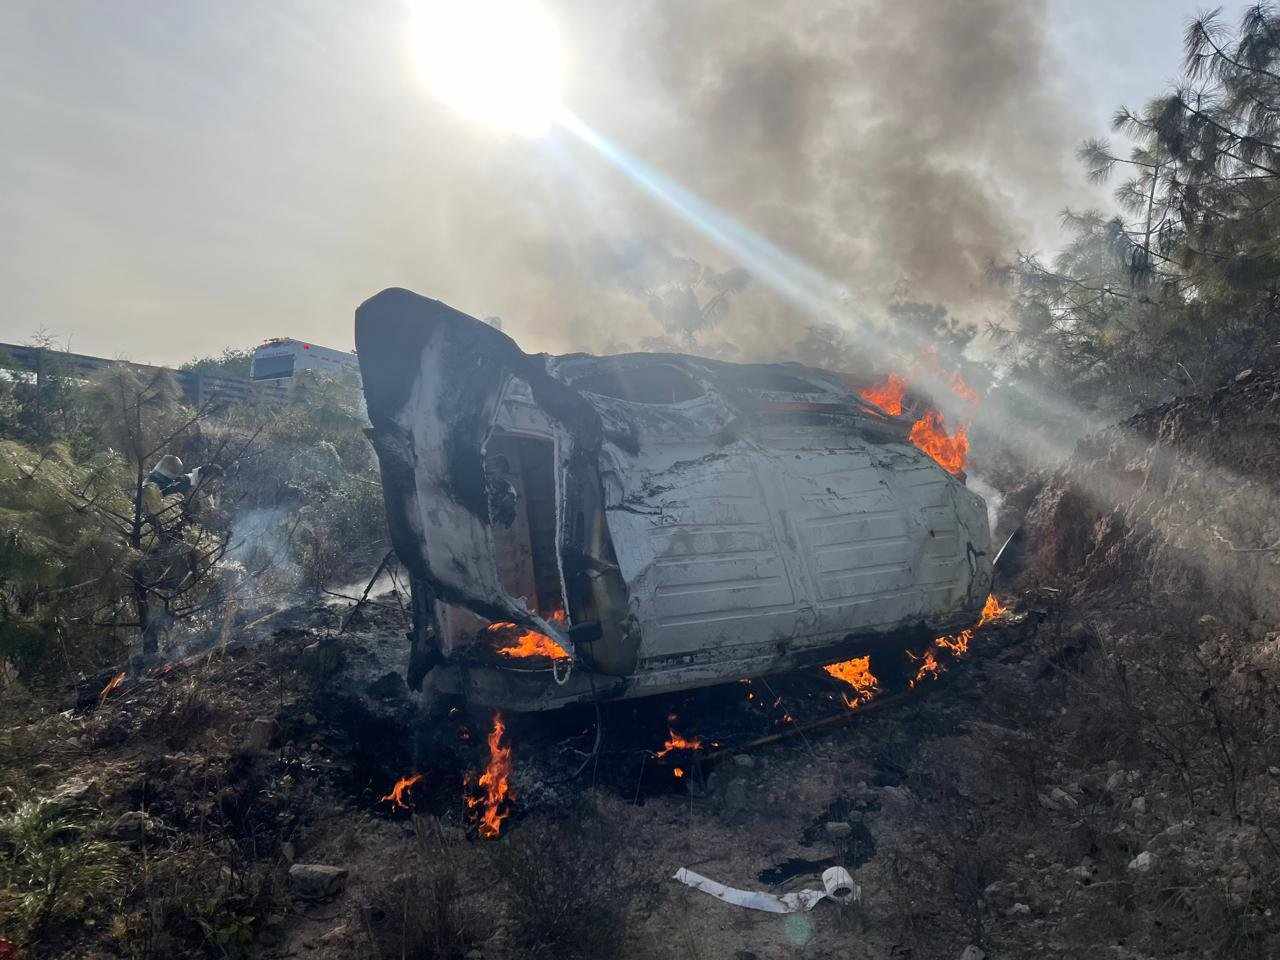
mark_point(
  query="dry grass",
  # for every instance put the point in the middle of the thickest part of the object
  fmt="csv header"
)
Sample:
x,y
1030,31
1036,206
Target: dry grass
x,y
183,712
430,905
572,887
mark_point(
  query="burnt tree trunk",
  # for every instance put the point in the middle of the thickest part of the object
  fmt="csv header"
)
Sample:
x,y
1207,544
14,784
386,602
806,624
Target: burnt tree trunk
x,y
141,595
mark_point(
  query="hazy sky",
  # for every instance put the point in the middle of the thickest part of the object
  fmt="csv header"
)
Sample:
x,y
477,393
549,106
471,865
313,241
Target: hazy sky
x,y
182,177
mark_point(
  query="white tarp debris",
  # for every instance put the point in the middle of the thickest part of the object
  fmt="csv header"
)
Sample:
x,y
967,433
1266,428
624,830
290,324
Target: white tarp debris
x,y
836,882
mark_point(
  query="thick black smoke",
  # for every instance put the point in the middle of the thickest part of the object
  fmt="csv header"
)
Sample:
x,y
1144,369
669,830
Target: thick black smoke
x,y
896,146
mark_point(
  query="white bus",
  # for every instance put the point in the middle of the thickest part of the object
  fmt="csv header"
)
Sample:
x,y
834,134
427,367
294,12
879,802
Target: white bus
x,y
278,359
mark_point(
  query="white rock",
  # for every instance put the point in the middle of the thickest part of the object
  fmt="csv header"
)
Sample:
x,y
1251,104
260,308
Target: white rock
x,y
1082,873
973,953
73,792
131,826
1143,862
1064,800
1139,805
1058,799
1018,910
1115,781
1171,836
261,730
316,881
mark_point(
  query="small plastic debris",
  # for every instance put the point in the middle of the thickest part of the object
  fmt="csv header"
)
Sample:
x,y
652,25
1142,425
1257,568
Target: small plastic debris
x,y
836,882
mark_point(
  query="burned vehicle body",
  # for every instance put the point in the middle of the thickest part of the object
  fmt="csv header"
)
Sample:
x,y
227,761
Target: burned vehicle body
x,y
669,521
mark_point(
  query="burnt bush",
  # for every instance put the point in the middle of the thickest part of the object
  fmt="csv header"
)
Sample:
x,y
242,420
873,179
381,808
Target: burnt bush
x,y
182,713
955,845
431,907
208,899
1142,766
572,887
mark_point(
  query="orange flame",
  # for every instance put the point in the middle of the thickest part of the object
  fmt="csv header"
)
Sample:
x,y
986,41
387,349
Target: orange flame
x,y
929,667
112,686
523,643
676,742
929,433
857,673
991,609
888,395
495,784
958,644
399,795
960,388
677,772
930,365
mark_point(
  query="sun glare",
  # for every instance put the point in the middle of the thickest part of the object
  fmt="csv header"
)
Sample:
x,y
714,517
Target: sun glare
x,y
495,61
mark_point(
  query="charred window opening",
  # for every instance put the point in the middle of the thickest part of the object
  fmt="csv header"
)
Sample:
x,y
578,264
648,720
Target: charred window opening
x,y
650,383
267,368
520,473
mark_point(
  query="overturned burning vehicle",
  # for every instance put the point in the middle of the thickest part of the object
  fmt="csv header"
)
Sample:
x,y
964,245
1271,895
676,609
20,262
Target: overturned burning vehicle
x,y
585,527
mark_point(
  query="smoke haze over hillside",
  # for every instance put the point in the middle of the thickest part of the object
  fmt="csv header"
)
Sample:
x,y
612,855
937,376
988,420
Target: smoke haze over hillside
x,y
191,179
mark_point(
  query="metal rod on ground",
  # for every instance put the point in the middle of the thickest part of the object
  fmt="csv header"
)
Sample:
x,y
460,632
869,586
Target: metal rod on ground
x,y
778,699
640,780
839,719
369,586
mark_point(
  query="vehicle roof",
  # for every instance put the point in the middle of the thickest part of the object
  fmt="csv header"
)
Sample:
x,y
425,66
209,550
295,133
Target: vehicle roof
x,y
286,341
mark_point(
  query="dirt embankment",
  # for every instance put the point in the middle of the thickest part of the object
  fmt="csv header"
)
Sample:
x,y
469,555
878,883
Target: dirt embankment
x,y
1179,503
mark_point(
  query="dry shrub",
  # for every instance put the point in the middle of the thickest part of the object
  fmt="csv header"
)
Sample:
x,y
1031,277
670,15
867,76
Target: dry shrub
x,y
209,900
182,713
572,887
429,907
1184,710
1187,700
954,846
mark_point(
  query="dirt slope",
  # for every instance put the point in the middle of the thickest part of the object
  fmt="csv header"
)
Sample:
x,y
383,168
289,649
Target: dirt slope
x,y
1179,502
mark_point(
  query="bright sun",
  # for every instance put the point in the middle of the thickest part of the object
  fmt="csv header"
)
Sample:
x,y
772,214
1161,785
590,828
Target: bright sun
x,y
496,61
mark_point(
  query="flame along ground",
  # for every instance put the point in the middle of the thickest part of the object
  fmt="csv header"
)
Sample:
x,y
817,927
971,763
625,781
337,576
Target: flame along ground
x,y
521,643
399,795
492,796
929,433
857,672
677,742
956,645
112,686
